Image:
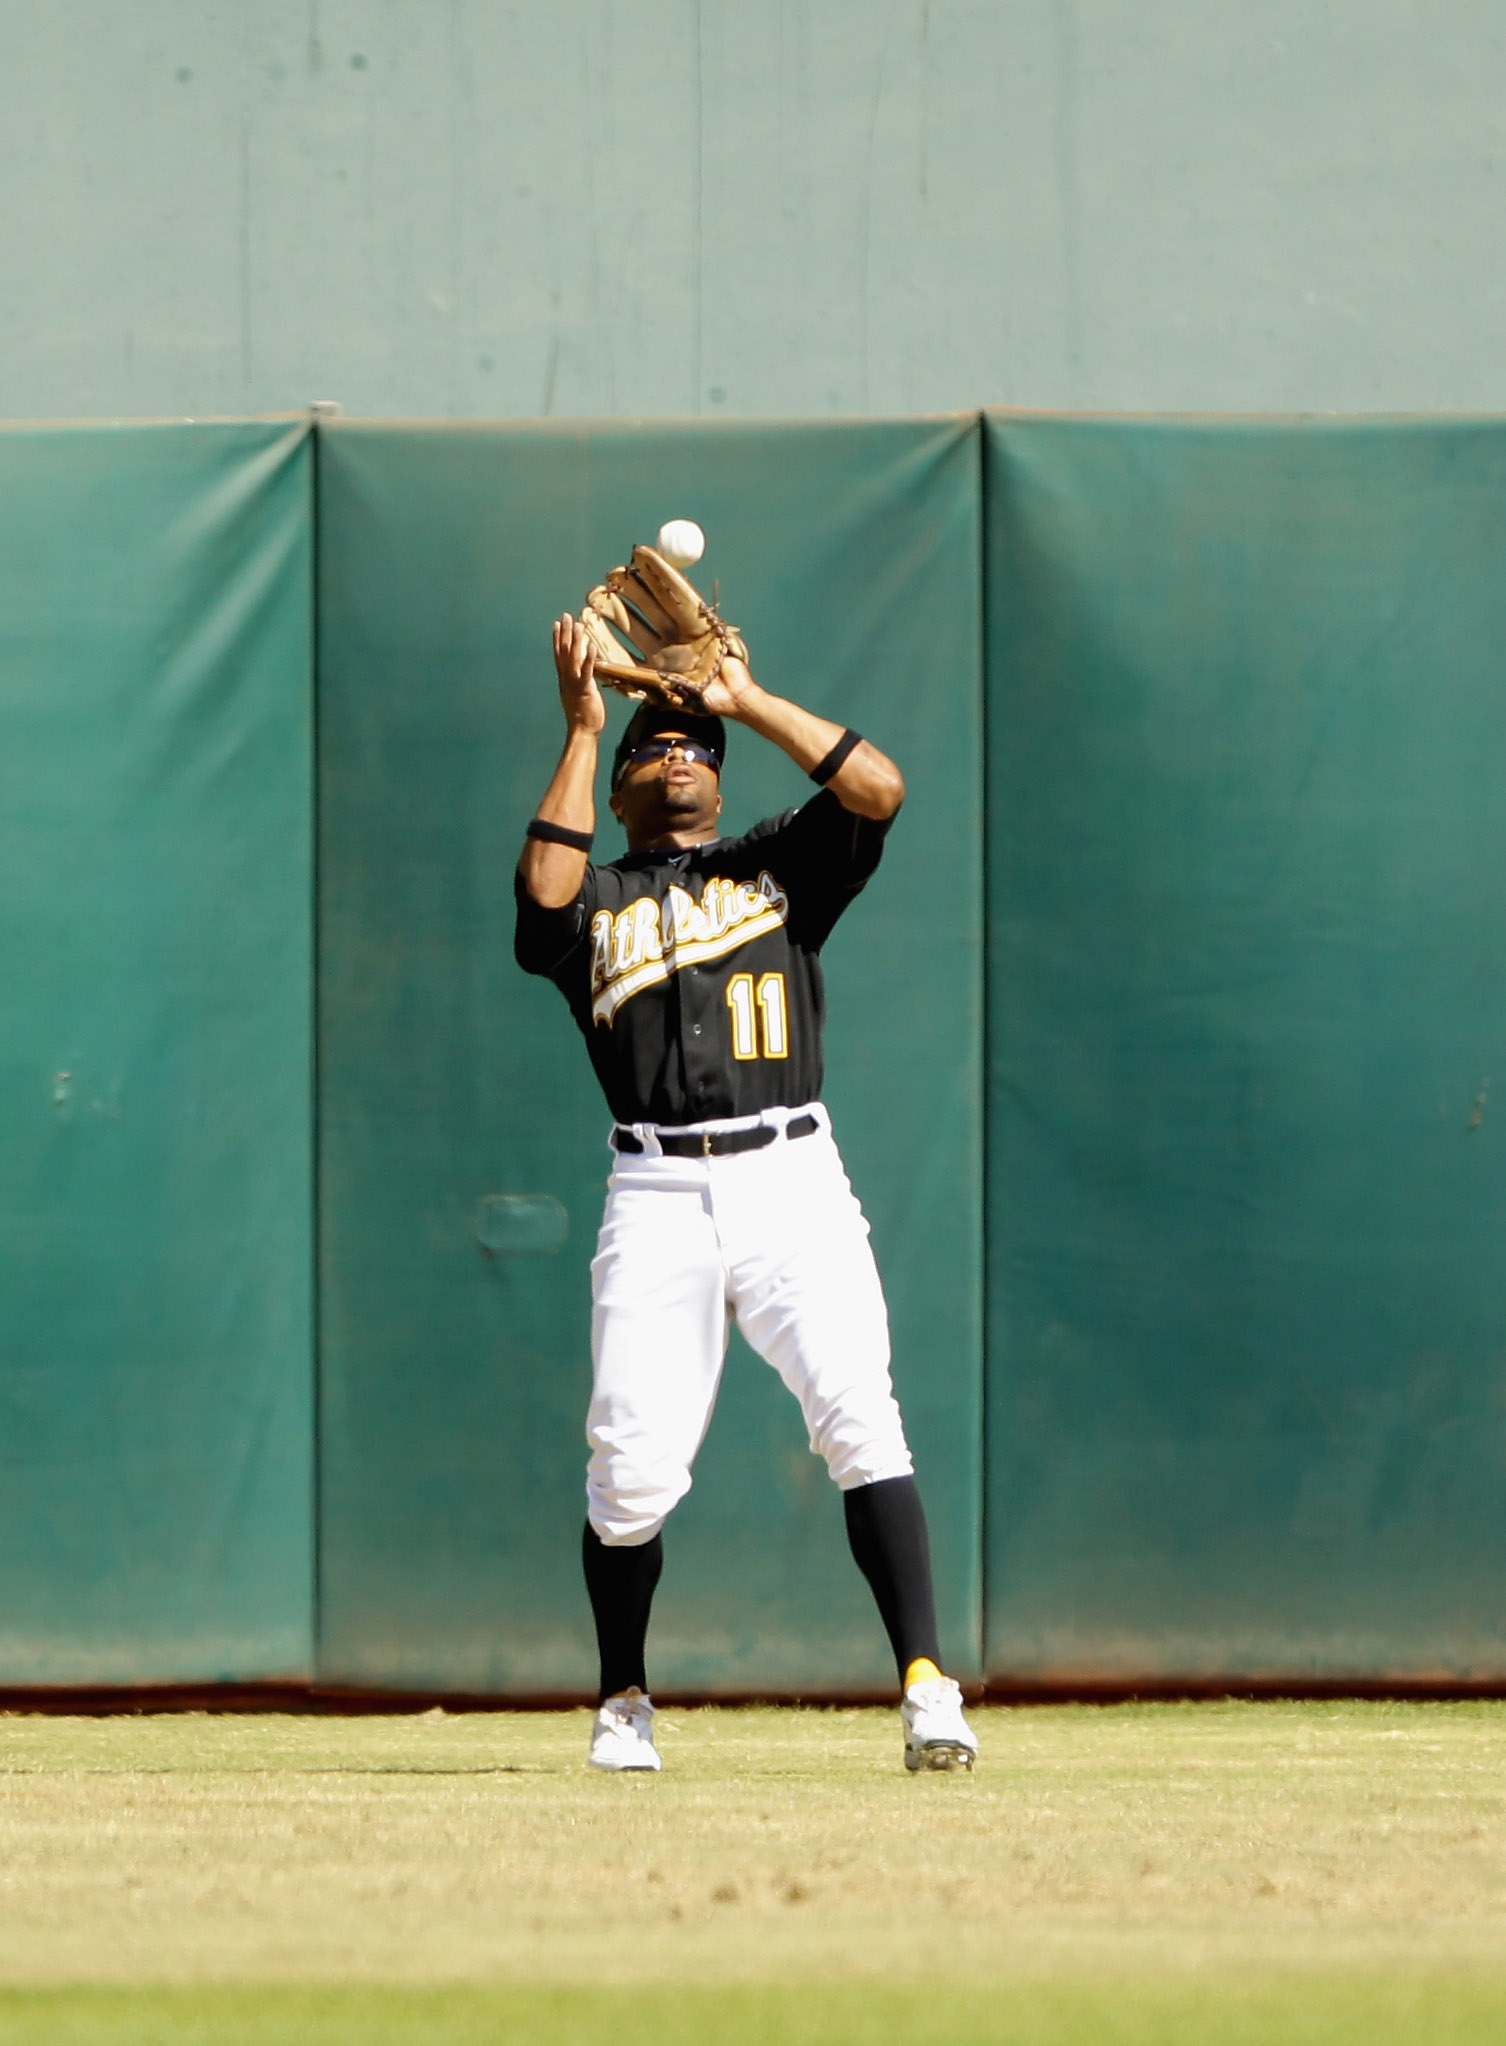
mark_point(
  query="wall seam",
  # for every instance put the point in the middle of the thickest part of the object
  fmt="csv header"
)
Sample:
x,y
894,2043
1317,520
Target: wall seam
x,y
316,1085
985,838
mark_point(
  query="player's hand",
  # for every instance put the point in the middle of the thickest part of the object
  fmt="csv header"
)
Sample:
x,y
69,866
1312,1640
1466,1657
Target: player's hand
x,y
575,664
724,697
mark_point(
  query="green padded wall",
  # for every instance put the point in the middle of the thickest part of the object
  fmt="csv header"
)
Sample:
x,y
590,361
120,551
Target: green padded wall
x,y
1247,1036
156,1376
463,1140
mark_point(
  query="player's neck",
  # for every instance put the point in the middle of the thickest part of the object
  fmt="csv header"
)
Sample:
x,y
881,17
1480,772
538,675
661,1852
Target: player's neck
x,y
674,841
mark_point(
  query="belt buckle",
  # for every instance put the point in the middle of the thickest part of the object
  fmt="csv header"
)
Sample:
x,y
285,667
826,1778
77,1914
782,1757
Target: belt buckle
x,y
706,1143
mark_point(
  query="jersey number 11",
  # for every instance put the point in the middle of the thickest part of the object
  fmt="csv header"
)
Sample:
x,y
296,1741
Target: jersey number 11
x,y
756,1011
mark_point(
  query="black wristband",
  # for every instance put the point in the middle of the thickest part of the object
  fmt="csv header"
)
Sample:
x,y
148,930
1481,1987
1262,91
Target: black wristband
x,y
823,770
561,834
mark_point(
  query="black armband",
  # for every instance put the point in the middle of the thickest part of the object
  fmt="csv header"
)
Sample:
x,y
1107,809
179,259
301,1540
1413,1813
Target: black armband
x,y
560,834
823,770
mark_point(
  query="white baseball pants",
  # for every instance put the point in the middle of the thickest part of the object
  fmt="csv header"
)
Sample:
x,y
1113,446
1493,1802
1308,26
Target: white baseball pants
x,y
774,1238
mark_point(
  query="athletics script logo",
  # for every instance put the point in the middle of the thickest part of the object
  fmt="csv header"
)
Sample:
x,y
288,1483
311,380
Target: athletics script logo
x,y
648,941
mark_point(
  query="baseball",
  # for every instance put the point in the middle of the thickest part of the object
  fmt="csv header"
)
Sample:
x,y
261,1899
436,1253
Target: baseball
x,y
681,542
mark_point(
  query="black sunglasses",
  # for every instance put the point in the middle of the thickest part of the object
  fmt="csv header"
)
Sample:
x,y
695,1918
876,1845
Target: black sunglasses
x,y
656,749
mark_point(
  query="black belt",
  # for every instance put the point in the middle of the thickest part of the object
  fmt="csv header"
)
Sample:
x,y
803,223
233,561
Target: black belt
x,y
715,1143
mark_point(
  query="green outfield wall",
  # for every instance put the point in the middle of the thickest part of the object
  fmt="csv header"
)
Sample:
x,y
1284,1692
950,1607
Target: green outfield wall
x,y
1247,1002
156,1357
1164,1048
457,1100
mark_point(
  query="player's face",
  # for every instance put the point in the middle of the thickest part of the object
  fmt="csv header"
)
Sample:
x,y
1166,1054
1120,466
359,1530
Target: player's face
x,y
673,790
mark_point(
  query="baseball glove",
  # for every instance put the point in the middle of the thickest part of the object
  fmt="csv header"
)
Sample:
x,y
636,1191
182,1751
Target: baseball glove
x,y
678,639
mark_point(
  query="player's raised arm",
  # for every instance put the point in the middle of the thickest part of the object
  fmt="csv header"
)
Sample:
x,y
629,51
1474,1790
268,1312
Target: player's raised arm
x,y
554,858
862,779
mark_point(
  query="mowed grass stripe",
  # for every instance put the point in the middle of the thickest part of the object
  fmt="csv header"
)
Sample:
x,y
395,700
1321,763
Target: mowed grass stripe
x,y
1305,2010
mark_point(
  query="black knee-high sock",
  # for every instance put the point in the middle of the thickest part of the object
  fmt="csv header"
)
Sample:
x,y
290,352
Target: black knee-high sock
x,y
886,1526
621,1584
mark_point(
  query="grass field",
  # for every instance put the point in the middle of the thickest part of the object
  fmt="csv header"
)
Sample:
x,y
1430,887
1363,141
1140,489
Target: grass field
x,y
1301,1873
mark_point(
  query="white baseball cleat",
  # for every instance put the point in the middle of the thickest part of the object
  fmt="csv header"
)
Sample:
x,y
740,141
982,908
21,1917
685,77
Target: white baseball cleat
x,y
622,1734
936,1734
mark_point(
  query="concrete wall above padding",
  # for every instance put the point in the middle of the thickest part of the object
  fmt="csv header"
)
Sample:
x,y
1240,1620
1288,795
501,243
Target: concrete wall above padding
x,y
815,207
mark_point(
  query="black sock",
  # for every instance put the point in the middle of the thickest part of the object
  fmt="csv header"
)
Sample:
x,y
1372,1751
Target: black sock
x,y
886,1526
621,1584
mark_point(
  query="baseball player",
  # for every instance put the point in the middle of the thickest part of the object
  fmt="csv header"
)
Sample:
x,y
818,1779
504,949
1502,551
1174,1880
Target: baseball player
x,y
692,967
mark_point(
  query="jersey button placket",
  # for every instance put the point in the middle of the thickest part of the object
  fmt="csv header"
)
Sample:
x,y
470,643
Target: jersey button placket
x,y
702,1081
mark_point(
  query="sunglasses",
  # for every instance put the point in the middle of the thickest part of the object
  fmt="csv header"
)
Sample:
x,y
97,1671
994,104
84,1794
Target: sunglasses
x,y
688,749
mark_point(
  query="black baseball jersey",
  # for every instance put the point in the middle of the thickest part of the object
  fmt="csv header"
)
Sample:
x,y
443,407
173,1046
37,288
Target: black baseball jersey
x,y
695,977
